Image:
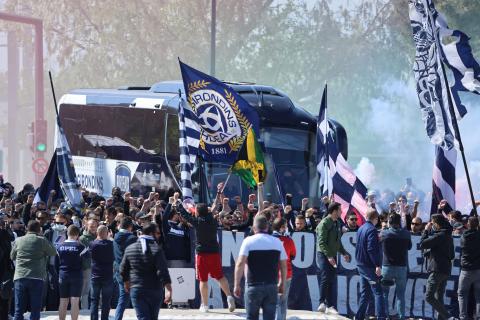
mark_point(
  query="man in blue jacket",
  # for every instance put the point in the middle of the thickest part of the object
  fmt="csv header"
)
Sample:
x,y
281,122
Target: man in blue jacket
x,y
395,241
369,262
122,240
101,251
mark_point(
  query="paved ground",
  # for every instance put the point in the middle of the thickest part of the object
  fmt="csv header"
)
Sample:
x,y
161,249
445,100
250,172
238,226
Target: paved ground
x,y
196,315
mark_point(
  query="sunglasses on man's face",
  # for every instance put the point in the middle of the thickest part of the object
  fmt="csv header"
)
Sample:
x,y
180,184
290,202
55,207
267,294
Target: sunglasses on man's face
x,y
416,224
353,219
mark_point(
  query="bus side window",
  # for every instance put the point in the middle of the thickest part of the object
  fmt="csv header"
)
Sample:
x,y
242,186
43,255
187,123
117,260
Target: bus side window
x,y
171,140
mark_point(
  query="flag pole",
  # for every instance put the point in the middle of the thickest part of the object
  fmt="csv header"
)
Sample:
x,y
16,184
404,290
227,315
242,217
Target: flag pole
x,y
226,180
231,167
53,92
452,112
277,183
325,166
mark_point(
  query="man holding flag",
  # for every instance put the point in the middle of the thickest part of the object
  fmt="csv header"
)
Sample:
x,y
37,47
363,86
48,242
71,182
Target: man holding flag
x,y
221,127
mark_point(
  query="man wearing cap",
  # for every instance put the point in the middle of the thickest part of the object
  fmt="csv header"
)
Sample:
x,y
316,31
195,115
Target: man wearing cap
x,y
140,218
145,273
263,254
329,244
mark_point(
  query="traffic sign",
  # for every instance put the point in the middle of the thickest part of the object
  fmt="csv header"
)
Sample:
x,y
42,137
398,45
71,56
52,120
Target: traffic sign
x,y
40,166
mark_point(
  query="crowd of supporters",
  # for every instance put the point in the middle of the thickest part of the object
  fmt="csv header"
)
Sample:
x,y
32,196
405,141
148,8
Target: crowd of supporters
x,y
53,257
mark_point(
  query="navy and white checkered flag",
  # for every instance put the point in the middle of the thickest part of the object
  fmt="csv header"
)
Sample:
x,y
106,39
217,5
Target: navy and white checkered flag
x,y
433,45
189,140
338,177
444,179
66,170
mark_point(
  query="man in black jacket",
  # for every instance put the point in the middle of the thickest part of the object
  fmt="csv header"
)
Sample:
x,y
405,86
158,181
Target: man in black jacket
x,y
208,260
470,263
6,267
144,272
437,242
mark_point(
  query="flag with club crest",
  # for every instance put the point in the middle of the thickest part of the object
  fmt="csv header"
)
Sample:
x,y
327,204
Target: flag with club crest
x,y
225,118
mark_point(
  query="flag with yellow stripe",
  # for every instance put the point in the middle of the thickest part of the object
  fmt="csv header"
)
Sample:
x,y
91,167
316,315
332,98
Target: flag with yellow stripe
x,y
250,164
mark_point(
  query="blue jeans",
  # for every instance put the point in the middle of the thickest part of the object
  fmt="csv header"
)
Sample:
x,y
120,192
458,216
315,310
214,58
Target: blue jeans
x,y
327,280
28,292
465,282
261,296
123,298
105,288
370,285
399,276
282,303
146,302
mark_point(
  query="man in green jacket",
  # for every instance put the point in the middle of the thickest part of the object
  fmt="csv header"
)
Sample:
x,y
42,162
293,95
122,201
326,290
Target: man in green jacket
x,y
329,234
88,235
30,254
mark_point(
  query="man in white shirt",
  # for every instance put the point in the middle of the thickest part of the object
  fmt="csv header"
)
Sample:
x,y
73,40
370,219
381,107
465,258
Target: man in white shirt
x,y
263,254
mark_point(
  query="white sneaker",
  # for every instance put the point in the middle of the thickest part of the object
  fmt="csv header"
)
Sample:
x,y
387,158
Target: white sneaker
x,y
332,310
322,308
231,303
203,308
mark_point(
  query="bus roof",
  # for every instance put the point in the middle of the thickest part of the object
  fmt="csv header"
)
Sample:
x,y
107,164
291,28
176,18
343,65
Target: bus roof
x,y
273,106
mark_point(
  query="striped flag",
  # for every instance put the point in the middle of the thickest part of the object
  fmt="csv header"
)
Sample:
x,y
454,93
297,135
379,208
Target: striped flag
x,y
444,179
436,43
342,182
66,170
189,140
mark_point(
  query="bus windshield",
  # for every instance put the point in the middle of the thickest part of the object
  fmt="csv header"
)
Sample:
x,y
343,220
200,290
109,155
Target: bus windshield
x,y
289,149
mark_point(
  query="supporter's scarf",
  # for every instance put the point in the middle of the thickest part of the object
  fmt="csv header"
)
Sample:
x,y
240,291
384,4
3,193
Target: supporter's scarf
x,y
143,242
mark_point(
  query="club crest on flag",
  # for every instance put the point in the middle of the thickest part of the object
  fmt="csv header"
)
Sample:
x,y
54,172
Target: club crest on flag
x,y
223,115
221,121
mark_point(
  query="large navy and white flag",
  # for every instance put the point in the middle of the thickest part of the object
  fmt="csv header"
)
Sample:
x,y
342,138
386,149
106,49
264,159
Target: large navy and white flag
x,y
189,140
224,116
457,54
343,183
66,170
61,174
433,41
444,179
